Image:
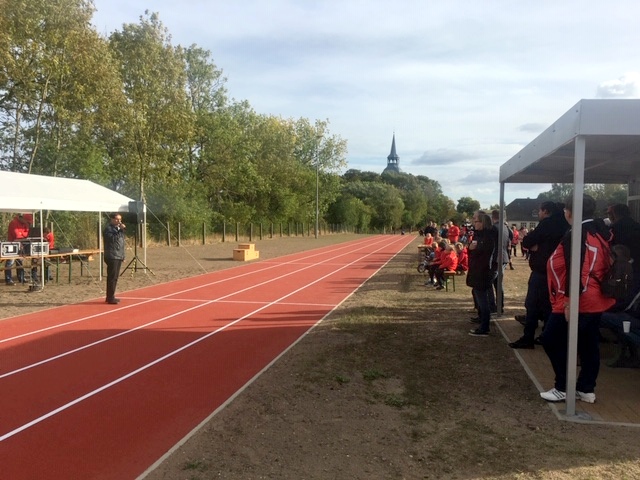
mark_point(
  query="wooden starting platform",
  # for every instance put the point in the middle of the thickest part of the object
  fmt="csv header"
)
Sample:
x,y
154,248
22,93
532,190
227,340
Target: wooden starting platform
x,y
245,252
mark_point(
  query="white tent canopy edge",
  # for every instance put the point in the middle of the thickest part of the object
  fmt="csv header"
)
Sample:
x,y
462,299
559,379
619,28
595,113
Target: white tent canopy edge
x,y
23,192
596,141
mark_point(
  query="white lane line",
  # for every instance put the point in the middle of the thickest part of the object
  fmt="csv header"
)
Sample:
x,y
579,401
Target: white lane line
x,y
162,319
108,312
175,352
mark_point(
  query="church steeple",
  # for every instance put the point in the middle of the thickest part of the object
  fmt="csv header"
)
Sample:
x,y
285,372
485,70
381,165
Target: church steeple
x,y
393,159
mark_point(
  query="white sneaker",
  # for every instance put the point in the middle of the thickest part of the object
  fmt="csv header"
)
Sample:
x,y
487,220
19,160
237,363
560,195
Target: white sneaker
x,y
586,397
554,395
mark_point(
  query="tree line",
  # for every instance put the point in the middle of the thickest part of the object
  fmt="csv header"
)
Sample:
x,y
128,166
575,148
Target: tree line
x,y
153,120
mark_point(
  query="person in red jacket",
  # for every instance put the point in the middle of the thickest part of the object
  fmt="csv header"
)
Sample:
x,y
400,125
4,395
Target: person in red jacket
x,y
594,266
448,263
18,230
463,258
453,233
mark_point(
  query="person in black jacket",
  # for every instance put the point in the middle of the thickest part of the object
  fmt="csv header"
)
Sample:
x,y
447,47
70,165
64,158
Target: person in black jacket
x,y
540,242
480,274
113,236
626,231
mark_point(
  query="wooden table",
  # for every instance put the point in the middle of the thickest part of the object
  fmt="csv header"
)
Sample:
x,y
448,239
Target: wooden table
x,y
84,256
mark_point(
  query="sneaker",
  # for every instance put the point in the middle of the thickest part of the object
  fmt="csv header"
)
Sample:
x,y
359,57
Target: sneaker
x,y
439,287
522,343
586,397
11,282
478,333
554,395
474,320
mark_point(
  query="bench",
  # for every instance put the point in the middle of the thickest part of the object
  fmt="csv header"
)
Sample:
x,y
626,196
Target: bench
x,y
245,252
450,277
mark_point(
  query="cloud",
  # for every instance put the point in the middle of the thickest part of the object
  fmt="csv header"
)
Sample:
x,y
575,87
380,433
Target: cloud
x,y
627,86
442,156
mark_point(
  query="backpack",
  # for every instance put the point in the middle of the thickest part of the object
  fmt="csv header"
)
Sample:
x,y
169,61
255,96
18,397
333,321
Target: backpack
x,y
618,280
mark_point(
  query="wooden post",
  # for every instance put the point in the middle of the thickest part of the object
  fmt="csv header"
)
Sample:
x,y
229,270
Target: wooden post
x,y
224,231
251,232
204,233
237,230
179,234
168,234
260,230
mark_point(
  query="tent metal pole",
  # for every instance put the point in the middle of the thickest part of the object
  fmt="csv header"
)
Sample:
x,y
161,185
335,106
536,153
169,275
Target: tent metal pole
x,y
501,259
100,246
574,287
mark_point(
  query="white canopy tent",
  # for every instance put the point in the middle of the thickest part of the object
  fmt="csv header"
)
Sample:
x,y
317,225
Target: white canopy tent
x,y
32,193
22,192
596,141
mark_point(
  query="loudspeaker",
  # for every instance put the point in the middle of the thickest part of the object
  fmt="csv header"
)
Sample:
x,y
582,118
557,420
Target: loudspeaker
x,y
137,207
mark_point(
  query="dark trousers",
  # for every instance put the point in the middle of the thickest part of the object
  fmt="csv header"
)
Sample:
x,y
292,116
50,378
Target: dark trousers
x,y
554,340
494,292
537,304
481,297
113,272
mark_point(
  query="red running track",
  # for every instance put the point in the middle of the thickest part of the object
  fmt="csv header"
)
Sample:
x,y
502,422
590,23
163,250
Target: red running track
x,y
95,391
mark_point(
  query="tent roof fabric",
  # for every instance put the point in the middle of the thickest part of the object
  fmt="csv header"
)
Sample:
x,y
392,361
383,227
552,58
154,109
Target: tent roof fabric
x,y
22,192
611,129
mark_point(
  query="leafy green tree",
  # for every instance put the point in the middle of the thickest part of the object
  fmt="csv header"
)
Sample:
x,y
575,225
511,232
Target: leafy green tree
x,y
467,206
57,86
160,119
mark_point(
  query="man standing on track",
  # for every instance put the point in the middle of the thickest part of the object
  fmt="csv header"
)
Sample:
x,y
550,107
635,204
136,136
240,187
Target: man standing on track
x,y
113,236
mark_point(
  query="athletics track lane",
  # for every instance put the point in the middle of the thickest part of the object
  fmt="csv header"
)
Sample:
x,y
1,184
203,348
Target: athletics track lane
x,y
100,392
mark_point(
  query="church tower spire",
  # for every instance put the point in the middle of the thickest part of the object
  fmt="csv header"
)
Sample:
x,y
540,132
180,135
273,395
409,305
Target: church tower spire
x,y
393,159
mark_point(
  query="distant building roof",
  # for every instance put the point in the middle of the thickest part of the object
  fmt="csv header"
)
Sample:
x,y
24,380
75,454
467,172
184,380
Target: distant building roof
x,y
523,209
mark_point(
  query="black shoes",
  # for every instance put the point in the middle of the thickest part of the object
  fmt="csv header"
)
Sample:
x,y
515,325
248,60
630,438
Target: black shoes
x,y
478,333
522,343
112,301
520,319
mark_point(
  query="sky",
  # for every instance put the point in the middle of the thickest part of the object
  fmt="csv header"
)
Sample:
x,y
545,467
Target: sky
x,y
463,85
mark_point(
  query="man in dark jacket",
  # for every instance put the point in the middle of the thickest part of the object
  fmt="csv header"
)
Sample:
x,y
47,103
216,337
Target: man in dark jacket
x,y
113,236
626,231
541,242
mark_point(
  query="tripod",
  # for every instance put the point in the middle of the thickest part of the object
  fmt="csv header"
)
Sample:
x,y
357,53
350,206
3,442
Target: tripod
x,y
133,264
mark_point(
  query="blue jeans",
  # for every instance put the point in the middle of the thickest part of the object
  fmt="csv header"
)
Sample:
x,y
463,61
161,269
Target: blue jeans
x,y
537,304
613,321
19,271
554,340
481,297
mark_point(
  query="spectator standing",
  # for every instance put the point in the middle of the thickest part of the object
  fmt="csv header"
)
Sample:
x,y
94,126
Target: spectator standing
x,y
594,266
480,274
113,237
524,231
540,243
626,231
453,232
515,239
505,245
17,231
